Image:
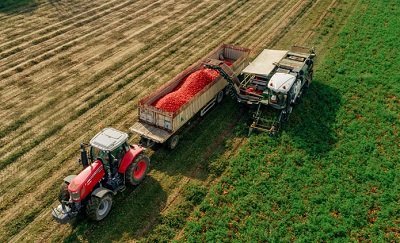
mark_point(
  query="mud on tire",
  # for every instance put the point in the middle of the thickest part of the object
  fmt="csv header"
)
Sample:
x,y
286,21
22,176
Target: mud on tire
x,y
137,170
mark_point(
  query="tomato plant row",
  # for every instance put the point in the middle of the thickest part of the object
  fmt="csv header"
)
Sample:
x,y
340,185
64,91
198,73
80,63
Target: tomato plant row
x,y
333,174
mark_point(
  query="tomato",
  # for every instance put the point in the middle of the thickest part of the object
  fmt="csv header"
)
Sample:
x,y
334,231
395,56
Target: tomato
x,y
186,89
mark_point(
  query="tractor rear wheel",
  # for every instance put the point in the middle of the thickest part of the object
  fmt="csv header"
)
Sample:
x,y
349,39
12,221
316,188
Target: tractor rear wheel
x,y
137,170
98,208
63,194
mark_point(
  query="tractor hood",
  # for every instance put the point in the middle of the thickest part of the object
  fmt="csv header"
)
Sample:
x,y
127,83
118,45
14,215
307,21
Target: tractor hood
x,y
83,183
281,82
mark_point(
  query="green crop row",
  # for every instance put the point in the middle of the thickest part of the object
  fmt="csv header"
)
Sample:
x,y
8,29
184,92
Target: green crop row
x,y
333,174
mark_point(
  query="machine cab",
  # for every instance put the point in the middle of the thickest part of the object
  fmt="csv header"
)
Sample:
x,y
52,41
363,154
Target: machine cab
x,y
110,146
281,85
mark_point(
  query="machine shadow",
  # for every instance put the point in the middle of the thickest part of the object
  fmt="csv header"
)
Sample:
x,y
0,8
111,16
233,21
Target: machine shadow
x,y
203,142
17,6
134,212
311,123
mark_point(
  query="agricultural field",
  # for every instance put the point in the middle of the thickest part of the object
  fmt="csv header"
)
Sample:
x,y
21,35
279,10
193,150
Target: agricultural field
x,y
69,66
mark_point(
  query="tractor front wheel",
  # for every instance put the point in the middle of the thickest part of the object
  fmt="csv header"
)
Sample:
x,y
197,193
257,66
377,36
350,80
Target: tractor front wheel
x,y
63,194
137,170
98,208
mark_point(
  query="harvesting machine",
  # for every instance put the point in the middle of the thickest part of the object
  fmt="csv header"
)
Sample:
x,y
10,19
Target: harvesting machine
x,y
276,78
109,164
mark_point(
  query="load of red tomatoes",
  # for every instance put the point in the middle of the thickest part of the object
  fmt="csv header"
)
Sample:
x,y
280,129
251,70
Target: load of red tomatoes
x,y
186,89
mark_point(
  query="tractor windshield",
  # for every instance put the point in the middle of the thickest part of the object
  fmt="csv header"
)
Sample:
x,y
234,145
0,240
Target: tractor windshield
x,y
119,152
96,153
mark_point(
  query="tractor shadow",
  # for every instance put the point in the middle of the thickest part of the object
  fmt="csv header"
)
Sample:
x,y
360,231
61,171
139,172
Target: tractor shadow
x,y
311,123
14,7
17,6
134,213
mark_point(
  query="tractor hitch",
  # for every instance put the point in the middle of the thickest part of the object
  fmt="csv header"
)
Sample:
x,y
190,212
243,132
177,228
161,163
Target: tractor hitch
x,y
63,214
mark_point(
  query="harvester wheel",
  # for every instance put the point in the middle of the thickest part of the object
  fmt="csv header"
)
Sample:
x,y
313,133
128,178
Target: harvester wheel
x,y
63,194
310,76
220,96
305,87
98,208
137,170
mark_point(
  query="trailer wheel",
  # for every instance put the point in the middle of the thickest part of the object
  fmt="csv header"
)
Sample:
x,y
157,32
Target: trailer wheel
x,y
98,208
63,194
227,89
137,170
173,141
220,96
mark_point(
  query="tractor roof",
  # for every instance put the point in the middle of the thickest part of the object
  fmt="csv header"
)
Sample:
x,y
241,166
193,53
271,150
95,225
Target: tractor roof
x,y
108,139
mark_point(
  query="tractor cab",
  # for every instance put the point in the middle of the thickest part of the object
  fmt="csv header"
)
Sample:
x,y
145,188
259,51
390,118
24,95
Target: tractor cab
x,y
109,146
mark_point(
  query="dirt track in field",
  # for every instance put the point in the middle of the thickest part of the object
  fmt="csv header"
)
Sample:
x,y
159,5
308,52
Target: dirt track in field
x,y
69,66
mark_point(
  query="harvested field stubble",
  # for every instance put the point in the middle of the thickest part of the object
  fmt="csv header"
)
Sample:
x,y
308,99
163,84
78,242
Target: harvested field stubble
x,y
68,66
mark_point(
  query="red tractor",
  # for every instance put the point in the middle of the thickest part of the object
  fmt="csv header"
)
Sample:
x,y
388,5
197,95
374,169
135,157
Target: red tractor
x,y
113,164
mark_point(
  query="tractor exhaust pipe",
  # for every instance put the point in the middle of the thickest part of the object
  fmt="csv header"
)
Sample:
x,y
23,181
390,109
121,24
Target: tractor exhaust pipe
x,y
84,158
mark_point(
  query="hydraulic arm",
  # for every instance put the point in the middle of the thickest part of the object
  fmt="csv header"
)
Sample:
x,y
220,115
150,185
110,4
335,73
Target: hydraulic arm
x,y
227,73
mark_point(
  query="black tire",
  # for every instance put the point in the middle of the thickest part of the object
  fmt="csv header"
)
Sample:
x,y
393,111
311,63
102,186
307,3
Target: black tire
x,y
220,96
98,208
137,170
310,64
310,76
227,90
63,193
305,87
173,141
